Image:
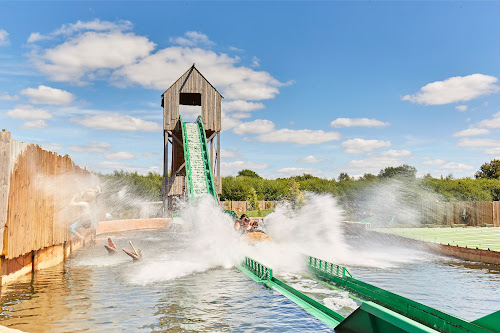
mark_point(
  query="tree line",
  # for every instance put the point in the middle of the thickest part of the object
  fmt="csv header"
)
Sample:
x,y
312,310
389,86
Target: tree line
x,y
248,185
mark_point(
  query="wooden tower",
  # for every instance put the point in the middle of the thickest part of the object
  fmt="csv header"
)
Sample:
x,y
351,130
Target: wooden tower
x,y
192,88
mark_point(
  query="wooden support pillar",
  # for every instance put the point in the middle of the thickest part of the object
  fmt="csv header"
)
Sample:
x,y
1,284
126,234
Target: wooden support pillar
x,y
212,154
217,160
166,179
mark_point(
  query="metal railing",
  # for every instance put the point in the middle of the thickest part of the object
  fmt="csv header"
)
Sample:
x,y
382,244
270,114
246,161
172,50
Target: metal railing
x,y
208,168
187,159
262,271
328,267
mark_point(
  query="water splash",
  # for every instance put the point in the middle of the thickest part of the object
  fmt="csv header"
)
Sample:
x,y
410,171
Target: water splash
x,y
209,242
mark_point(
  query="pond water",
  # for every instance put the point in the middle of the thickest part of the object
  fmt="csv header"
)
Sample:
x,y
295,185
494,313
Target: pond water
x,y
187,281
96,292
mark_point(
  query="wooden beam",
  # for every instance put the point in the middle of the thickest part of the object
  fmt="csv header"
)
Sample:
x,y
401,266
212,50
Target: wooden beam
x,y
166,181
212,155
178,170
211,137
175,138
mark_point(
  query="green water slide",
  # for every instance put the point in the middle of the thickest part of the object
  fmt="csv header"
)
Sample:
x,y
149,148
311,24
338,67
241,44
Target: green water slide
x,y
200,180
380,311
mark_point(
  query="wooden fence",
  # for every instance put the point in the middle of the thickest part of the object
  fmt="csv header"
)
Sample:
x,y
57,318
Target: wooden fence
x,y
36,187
473,213
243,206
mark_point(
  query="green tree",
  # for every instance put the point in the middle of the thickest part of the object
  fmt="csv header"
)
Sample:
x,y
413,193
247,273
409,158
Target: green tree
x,y
404,170
295,195
249,173
343,176
489,170
253,200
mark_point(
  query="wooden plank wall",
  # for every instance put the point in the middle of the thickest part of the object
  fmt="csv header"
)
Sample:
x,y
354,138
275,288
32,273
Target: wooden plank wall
x,y
210,100
473,213
37,218
496,213
241,206
177,185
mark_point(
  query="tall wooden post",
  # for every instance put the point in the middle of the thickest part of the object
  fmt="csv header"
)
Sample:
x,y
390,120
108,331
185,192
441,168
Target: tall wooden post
x,y
166,208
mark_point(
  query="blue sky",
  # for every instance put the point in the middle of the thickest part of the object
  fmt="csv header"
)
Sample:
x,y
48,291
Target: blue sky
x,y
309,87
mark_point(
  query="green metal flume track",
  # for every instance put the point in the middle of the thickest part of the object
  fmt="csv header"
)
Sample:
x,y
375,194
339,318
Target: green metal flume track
x,y
381,310
200,179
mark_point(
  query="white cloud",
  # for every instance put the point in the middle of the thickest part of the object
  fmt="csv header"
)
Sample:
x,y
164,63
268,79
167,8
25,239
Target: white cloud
x,y
241,115
491,123
289,172
159,70
461,108
357,146
235,49
229,122
493,151
433,162
189,112
122,155
454,89
255,62
149,154
228,168
466,142
109,165
28,112
51,146
472,132
258,126
34,124
94,147
455,167
4,37
48,95
192,38
370,165
36,36
127,59
118,122
310,159
240,105
90,55
394,153
303,137
95,25
362,122
229,154
6,97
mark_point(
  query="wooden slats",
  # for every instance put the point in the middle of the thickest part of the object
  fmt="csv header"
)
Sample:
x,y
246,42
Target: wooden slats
x,y
35,215
472,213
193,82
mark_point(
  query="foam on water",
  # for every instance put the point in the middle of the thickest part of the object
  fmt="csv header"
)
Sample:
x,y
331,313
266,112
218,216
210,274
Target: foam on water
x,y
210,241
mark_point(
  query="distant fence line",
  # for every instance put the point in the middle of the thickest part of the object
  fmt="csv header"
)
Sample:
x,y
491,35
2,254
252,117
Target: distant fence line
x,y
472,213
243,206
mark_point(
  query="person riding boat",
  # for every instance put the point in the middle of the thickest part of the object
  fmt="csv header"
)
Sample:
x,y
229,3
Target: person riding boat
x,y
243,224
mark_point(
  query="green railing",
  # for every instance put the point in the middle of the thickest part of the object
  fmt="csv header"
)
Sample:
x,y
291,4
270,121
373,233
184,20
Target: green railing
x,y
208,168
421,313
328,267
187,160
262,271
232,213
